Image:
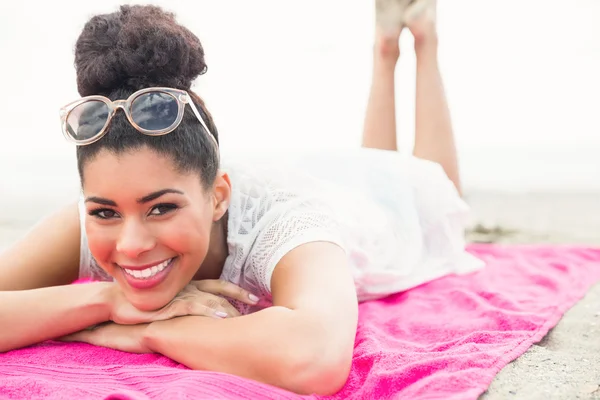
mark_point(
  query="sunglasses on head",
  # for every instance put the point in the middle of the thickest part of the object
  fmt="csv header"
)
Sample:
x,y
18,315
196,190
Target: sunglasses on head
x,y
152,111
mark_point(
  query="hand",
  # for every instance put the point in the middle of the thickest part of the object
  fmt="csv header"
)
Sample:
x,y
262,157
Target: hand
x,y
127,338
201,298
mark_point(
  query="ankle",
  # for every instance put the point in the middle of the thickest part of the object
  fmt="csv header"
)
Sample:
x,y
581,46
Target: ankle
x,y
423,26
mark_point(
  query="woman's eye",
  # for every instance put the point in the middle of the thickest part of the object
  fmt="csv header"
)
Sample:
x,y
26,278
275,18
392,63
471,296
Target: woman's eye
x,y
104,213
162,209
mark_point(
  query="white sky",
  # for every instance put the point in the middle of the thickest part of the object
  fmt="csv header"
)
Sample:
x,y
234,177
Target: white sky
x,y
522,77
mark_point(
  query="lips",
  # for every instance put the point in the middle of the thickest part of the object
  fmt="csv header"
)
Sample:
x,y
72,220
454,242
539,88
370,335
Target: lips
x,y
149,276
148,272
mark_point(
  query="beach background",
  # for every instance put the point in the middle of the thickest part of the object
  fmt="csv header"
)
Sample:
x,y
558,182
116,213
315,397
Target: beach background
x,y
522,79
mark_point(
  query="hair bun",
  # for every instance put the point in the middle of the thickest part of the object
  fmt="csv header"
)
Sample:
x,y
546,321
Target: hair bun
x,y
136,47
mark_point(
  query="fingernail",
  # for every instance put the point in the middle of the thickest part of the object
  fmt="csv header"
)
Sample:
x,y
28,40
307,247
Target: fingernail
x,y
221,314
253,298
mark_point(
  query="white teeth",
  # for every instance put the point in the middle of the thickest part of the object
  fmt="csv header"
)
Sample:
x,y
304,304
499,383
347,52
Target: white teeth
x,y
148,272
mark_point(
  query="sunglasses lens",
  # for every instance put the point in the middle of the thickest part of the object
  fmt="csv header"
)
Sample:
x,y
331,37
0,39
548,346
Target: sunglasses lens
x,y
87,120
154,111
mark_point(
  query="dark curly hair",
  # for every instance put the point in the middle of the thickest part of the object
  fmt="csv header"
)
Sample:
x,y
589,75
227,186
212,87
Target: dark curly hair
x,y
136,47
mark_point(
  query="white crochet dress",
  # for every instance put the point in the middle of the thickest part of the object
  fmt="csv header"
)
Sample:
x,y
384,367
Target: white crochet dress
x,y
399,219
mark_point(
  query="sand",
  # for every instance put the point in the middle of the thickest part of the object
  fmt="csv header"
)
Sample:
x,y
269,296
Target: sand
x,y
566,363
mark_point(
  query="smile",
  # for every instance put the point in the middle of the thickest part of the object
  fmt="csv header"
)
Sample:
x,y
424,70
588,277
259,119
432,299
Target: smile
x,y
148,272
150,276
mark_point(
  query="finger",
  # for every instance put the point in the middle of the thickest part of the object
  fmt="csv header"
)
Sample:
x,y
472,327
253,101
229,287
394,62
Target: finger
x,y
207,303
202,304
185,307
228,289
203,309
225,306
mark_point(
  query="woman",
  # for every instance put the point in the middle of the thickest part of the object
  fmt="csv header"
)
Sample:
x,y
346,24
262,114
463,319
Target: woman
x,y
233,268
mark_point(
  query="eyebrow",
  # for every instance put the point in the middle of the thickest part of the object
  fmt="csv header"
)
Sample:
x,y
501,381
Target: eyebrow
x,y
147,198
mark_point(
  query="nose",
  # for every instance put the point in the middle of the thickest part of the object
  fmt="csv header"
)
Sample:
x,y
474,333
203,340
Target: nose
x,y
135,239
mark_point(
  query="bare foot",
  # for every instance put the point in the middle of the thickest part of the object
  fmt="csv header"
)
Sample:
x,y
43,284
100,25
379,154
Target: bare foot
x,y
389,14
389,22
421,20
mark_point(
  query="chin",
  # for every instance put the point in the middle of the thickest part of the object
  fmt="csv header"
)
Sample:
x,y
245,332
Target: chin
x,y
150,301
151,293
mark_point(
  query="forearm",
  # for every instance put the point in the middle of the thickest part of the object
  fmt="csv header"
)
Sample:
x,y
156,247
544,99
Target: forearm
x,y
275,346
32,316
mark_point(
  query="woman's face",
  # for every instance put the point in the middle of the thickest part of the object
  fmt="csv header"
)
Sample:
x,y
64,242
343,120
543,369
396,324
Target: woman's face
x,y
147,224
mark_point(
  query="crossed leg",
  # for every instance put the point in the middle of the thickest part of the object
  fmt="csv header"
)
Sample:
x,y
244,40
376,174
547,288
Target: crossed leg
x,y
434,138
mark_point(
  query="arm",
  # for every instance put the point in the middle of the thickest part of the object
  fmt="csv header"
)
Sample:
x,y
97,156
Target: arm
x,y
303,343
47,256
35,315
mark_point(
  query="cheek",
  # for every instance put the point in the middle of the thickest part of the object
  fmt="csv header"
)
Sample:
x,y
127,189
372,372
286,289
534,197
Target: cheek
x,y
186,234
101,241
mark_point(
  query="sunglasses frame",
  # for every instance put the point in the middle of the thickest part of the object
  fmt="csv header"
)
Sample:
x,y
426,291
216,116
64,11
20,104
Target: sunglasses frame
x,y
181,97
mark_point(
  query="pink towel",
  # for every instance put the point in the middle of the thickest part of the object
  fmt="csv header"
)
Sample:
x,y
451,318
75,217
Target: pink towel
x,y
443,340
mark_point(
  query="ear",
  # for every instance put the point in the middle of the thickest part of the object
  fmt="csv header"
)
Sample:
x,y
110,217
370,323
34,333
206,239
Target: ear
x,y
221,195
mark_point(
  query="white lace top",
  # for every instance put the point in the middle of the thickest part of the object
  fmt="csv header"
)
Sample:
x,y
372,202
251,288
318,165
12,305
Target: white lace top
x,y
398,218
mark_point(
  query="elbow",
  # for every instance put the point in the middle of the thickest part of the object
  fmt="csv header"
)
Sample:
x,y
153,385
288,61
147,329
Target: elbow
x,y
318,370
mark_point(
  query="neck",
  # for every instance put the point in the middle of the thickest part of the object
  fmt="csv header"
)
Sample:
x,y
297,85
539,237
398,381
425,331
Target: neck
x,y
213,263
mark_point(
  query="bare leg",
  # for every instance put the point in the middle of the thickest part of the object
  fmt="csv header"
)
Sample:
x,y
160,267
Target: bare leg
x,y
434,139
379,130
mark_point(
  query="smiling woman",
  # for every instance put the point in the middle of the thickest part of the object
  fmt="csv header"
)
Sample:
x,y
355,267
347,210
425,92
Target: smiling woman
x,y
185,251
134,225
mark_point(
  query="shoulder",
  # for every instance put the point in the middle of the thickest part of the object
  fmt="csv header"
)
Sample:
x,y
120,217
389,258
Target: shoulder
x,y
267,221
47,256
269,192
274,209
